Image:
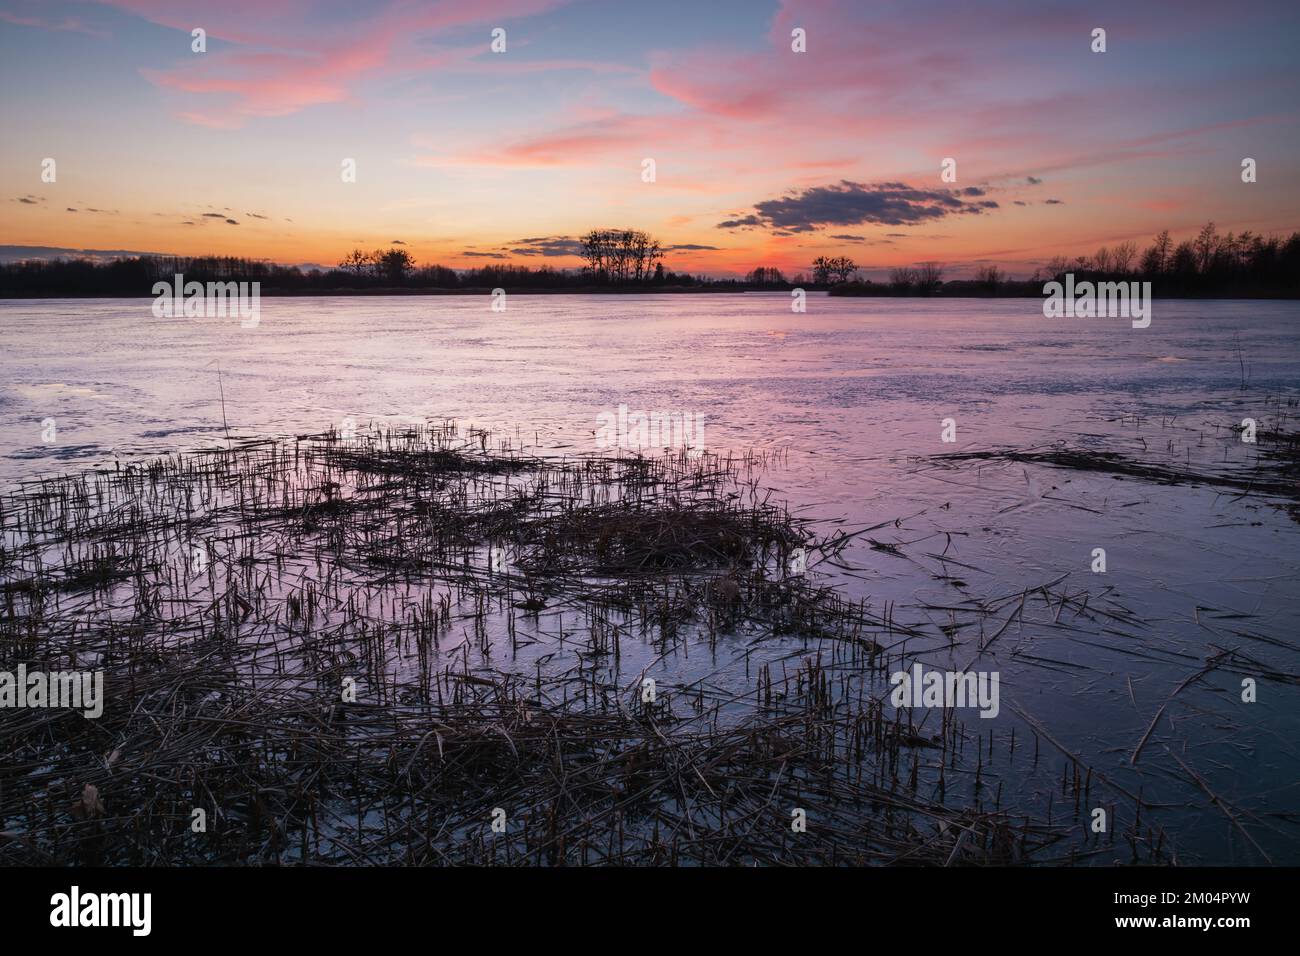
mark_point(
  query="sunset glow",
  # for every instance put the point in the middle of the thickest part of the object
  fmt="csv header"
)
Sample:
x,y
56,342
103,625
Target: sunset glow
x,y
763,156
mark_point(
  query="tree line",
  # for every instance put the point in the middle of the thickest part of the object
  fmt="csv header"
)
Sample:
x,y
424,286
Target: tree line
x,y
1211,264
1236,264
622,258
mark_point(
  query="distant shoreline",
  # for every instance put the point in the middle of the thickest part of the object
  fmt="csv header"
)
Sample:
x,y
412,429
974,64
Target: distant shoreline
x,y
883,293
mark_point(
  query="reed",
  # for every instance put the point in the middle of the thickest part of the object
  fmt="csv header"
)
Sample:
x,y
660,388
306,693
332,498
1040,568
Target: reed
x,y
498,613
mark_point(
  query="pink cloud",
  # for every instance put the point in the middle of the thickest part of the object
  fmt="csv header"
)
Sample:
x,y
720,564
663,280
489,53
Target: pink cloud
x,y
67,24
285,61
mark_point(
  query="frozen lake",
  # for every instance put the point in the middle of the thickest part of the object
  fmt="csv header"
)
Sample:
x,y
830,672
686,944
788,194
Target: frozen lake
x,y
853,395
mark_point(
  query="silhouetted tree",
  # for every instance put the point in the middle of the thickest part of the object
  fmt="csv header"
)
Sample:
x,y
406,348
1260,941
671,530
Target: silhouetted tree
x,y
990,277
356,262
620,255
930,277
1122,256
902,278
1056,267
829,270
1206,247
843,268
1209,264
766,275
1163,250
393,264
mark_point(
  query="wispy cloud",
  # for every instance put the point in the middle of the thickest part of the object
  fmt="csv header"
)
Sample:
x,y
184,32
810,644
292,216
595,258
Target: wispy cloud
x,y
269,62
64,24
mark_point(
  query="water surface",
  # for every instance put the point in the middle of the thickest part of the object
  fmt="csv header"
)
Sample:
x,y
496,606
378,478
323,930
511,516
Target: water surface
x,y
852,395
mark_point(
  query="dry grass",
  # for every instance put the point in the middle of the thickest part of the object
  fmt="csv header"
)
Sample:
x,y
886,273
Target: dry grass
x,y
228,595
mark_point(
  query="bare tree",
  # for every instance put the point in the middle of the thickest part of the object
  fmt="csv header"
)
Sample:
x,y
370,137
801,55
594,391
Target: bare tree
x,y
356,262
766,275
903,277
1123,256
930,277
1164,249
621,255
829,271
843,268
1056,266
990,276
1206,247
393,264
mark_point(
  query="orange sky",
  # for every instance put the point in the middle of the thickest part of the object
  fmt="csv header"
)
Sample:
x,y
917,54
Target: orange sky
x,y
762,155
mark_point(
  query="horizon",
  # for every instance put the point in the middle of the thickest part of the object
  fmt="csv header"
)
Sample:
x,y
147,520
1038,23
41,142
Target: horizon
x,y
578,433
762,156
